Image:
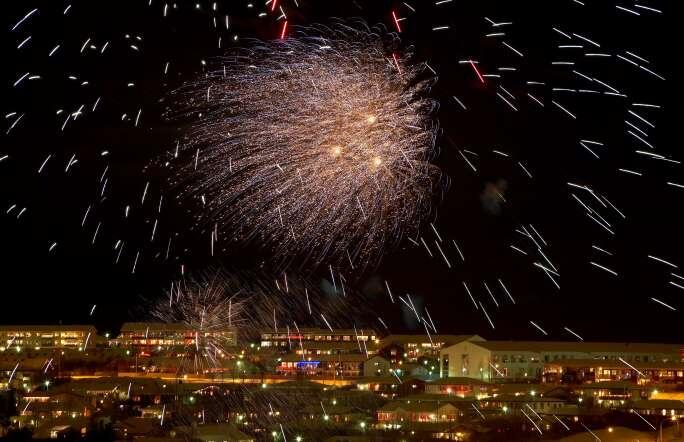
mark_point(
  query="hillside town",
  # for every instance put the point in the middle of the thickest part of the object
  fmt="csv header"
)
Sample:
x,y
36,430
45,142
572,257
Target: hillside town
x,y
152,382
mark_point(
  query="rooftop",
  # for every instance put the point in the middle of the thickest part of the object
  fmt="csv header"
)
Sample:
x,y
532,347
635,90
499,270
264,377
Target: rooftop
x,y
651,404
587,347
615,363
161,326
325,358
47,328
421,338
458,381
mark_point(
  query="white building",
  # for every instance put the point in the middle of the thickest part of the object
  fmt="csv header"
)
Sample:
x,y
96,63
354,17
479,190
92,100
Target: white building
x,y
519,360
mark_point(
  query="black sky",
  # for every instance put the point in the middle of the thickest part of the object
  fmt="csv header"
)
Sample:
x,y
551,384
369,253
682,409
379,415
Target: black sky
x,y
42,286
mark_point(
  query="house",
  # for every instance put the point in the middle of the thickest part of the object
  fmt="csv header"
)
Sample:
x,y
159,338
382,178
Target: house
x,y
459,386
391,386
135,427
411,347
330,366
640,371
339,414
348,439
376,366
659,407
397,412
44,405
214,433
518,404
611,394
61,427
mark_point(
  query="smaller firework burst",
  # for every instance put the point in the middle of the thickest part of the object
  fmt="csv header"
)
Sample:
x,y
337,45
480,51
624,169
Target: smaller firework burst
x,y
209,311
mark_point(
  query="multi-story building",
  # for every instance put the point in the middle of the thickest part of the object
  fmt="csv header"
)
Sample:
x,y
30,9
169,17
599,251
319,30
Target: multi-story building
x,y
320,341
523,360
329,366
597,370
147,337
46,336
410,347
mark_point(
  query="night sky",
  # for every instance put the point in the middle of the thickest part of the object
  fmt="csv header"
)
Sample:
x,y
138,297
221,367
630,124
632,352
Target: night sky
x,y
39,285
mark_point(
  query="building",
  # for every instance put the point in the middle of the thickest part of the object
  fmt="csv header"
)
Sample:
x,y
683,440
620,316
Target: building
x,y
391,386
41,406
329,366
519,404
411,347
461,386
46,336
316,341
672,409
376,366
599,370
148,337
524,360
611,394
214,432
401,412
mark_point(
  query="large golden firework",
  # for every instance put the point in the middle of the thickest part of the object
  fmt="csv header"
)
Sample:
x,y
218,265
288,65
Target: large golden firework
x,y
318,146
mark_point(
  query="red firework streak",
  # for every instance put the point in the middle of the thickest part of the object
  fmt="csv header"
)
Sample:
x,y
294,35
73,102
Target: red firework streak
x,y
476,71
396,62
282,33
396,21
273,5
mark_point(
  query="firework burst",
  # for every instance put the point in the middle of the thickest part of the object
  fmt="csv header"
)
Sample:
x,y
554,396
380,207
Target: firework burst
x,y
207,311
316,146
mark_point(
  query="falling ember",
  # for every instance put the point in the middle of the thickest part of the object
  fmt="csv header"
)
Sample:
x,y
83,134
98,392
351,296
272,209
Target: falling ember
x,y
282,33
396,21
472,63
396,63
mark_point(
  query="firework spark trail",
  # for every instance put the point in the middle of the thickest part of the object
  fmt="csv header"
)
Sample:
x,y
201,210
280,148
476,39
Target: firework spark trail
x,y
314,145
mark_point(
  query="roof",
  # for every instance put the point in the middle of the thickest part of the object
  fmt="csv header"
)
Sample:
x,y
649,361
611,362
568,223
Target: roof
x,y
521,398
613,434
387,380
443,398
418,406
226,431
329,409
59,423
615,363
10,361
161,326
572,346
326,332
457,381
298,385
60,401
350,357
138,425
47,328
512,388
651,404
330,345
574,410
610,385
420,338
